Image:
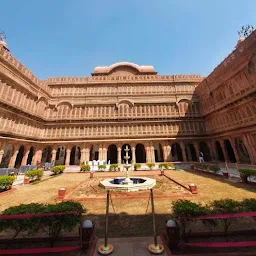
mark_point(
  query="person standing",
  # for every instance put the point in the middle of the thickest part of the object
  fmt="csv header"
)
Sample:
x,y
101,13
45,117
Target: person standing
x,y
201,157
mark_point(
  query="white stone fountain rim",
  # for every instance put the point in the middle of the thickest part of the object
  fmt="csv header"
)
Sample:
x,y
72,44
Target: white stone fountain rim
x,y
148,184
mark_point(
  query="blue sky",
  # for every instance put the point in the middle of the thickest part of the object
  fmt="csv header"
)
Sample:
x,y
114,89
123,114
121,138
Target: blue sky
x,y
71,37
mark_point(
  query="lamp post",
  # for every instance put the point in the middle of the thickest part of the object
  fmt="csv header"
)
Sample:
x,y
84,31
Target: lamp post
x,y
154,248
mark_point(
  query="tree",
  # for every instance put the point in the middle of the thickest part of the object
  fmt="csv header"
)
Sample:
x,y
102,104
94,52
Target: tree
x,y
245,31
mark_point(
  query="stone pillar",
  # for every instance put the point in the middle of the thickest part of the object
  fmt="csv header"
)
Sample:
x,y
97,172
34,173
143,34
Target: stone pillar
x,y
67,160
196,146
25,156
233,144
133,155
1,155
148,154
14,156
39,155
105,154
83,156
169,153
100,154
212,150
250,147
54,152
164,152
224,151
87,154
182,146
152,154
119,156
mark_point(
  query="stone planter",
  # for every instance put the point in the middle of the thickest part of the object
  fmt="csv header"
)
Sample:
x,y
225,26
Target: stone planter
x,y
61,192
193,188
225,175
26,180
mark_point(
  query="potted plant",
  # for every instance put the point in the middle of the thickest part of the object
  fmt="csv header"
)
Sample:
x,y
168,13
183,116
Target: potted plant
x,y
102,167
150,165
245,173
137,166
214,168
163,166
113,167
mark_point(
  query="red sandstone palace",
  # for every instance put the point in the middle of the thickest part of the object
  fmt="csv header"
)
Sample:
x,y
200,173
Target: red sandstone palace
x,y
70,120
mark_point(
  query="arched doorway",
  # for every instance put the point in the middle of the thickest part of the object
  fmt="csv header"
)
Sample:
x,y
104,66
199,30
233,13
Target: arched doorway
x,y
60,156
242,151
19,157
47,155
219,151
73,155
140,153
176,152
159,156
30,155
203,147
112,154
230,151
190,152
123,153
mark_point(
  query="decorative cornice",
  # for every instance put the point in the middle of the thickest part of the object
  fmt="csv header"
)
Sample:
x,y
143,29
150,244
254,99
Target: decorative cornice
x,y
124,79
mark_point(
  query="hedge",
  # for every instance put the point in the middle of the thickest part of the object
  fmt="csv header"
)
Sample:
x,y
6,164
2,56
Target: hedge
x,y
102,166
35,174
113,167
58,169
183,209
6,182
247,172
85,168
150,165
213,168
52,226
137,166
166,166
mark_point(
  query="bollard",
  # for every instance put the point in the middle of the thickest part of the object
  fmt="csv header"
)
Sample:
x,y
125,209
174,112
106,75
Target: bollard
x,y
86,232
193,188
172,230
61,192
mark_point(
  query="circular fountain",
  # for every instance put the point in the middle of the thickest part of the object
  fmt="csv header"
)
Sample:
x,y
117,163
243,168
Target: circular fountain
x,y
128,184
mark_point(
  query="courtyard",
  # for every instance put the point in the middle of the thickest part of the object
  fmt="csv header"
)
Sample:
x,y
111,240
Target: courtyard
x,y
130,213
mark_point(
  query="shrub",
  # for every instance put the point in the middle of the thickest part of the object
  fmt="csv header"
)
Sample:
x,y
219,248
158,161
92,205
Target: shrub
x,y
29,226
171,165
35,174
150,165
225,206
85,168
249,205
6,182
214,168
113,167
137,166
58,169
55,224
183,209
247,172
102,166
52,225
163,166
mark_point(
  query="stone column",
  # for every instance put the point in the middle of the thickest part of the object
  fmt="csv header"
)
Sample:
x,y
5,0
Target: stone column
x,y
54,152
1,155
233,144
25,156
224,151
182,146
250,147
119,156
196,146
83,156
148,154
39,155
212,150
169,153
100,154
87,154
14,156
105,154
164,152
152,154
133,155
67,160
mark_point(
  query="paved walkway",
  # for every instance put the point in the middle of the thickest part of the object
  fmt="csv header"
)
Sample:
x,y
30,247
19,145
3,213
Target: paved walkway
x,y
129,246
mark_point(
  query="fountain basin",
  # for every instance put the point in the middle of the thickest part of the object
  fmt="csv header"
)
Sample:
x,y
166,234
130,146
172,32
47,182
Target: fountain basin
x,y
139,183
